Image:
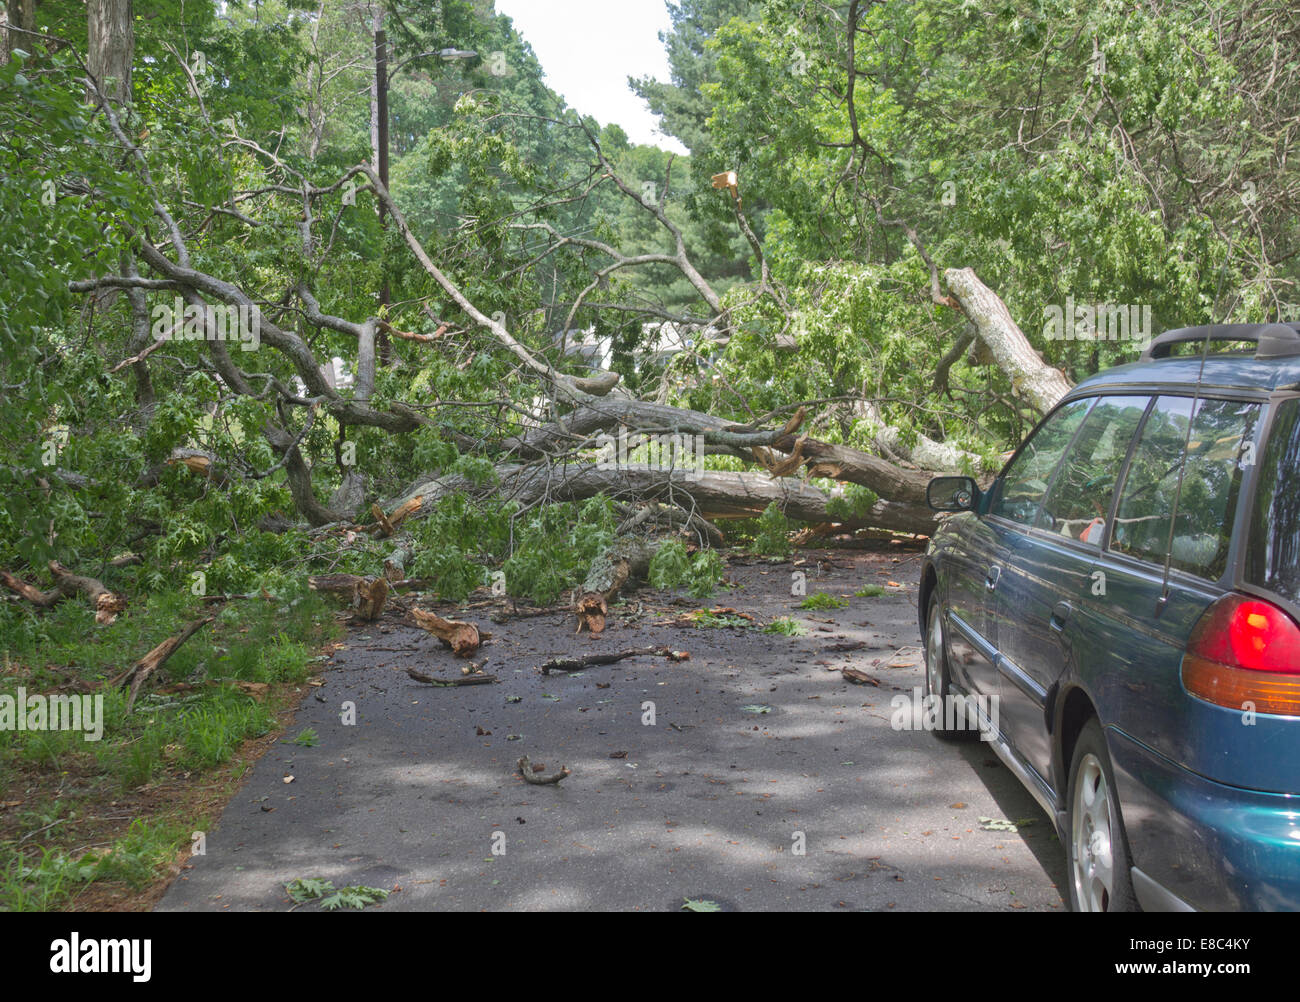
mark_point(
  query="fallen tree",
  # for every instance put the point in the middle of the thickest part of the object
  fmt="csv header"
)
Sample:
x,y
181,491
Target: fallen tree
x,y
531,465
714,494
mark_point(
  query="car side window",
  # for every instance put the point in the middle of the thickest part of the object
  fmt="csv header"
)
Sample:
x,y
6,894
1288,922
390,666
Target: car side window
x,y
1222,447
1023,483
1273,547
1078,503
1211,483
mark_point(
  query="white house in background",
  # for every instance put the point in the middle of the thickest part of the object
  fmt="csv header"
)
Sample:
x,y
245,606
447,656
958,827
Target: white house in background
x,y
666,339
336,373
596,352
660,341
584,344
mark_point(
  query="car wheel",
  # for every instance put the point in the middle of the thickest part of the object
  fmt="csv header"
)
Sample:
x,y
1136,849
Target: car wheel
x,y
1097,850
938,681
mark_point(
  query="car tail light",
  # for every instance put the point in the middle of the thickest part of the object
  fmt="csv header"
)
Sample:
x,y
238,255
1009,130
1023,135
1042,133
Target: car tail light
x,y
1242,651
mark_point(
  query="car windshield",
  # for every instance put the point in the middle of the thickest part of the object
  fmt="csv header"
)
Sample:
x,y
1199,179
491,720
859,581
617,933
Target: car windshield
x,y
1273,548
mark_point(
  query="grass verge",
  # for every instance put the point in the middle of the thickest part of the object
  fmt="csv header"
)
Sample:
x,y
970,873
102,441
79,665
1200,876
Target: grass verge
x,y
103,825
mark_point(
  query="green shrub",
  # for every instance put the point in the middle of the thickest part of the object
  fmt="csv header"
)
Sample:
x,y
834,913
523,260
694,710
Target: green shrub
x,y
773,536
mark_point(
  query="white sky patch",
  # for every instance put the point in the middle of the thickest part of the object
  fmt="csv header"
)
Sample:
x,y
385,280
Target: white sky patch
x,y
588,49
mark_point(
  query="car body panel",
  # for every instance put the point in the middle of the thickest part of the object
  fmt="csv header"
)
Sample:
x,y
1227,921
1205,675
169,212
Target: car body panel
x,y
1210,795
970,549
1035,637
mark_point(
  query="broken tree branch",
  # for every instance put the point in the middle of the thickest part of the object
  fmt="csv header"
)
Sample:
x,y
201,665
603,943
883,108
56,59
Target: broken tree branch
x,y
587,660
526,771
139,673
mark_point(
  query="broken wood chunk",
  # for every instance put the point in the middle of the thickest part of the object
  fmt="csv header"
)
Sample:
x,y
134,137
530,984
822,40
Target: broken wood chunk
x,y
527,772
368,595
387,524
369,598
462,638
591,610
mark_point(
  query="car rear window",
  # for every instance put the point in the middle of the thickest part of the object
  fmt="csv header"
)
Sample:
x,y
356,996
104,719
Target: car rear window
x,y
1216,456
1273,546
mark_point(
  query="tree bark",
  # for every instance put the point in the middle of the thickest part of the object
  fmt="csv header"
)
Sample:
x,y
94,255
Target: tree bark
x,y
18,14
1032,379
839,462
111,31
713,494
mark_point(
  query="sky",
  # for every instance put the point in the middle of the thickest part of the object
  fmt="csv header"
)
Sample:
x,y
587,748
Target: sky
x,y
588,49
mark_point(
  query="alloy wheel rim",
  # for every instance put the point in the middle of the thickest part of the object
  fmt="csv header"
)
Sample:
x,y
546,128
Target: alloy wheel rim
x,y
1092,838
934,655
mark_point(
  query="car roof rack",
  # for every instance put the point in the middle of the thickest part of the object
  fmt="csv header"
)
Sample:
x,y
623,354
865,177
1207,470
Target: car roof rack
x,y
1270,340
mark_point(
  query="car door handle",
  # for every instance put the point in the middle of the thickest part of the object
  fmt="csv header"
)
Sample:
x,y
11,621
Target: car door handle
x,y
1060,616
991,579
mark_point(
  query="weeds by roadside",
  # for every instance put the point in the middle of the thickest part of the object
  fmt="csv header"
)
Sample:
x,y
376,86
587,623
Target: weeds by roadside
x,y
111,815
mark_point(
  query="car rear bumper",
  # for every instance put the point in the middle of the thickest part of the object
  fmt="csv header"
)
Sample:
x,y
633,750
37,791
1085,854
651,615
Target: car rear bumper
x,y
1195,841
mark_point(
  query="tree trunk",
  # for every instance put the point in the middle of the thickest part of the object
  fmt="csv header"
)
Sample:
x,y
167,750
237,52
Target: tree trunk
x,y
713,494
111,30
926,453
379,136
18,14
840,462
625,560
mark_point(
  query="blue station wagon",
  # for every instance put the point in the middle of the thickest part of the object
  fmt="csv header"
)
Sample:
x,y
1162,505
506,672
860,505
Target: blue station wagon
x,y
1127,594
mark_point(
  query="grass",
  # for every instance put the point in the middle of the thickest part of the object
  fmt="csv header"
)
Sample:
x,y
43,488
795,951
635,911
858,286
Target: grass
x,y
704,620
871,591
96,823
820,600
787,626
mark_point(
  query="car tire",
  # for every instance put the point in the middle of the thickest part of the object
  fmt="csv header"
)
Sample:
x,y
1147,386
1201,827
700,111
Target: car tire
x,y
938,679
1096,848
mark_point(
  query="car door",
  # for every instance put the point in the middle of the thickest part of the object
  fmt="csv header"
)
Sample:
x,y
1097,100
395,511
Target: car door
x,y
1177,507
1144,619
970,550
1042,599
1013,503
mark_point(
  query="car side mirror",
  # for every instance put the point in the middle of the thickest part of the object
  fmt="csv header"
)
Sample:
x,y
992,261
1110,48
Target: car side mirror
x,y
952,494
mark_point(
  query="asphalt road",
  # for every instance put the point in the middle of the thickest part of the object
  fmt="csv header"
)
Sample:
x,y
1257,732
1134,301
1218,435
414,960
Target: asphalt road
x,y
712,801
